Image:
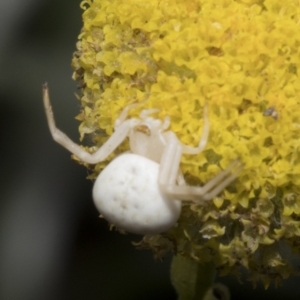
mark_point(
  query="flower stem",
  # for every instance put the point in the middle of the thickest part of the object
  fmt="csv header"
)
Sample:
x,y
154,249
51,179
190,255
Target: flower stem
x,y
190,278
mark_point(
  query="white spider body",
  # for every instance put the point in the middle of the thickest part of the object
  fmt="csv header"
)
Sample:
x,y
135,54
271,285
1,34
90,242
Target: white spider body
x,y
141,191
147,139
127,194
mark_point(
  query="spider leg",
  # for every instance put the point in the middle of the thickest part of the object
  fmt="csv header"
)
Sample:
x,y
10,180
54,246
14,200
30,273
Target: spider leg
x,y
170,162
217,184
106,149
146,112
180,178
210,190
166,123
171,180
124,114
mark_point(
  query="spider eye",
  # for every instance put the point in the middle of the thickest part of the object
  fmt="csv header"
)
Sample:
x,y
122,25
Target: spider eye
x,y
143,128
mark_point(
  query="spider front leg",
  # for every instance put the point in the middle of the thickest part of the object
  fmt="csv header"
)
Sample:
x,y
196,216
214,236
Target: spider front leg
x,y
124,113
106,149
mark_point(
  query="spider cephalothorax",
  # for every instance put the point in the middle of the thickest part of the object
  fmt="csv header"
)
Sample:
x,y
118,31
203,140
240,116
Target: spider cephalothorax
x,y
141,191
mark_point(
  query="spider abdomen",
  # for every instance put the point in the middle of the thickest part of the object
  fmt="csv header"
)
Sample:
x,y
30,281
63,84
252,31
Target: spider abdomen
x,y
127,194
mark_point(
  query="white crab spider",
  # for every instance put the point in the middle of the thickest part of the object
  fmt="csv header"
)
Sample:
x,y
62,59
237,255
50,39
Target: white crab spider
x,y
141,191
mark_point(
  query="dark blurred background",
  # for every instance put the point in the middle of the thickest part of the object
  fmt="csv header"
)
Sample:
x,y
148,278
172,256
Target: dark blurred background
x,y
52,243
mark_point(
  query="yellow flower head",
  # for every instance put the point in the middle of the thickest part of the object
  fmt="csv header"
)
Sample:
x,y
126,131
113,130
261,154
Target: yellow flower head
x,y
241,58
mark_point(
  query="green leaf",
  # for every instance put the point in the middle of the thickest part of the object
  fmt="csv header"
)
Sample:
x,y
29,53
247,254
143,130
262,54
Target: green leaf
x,y
190,278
